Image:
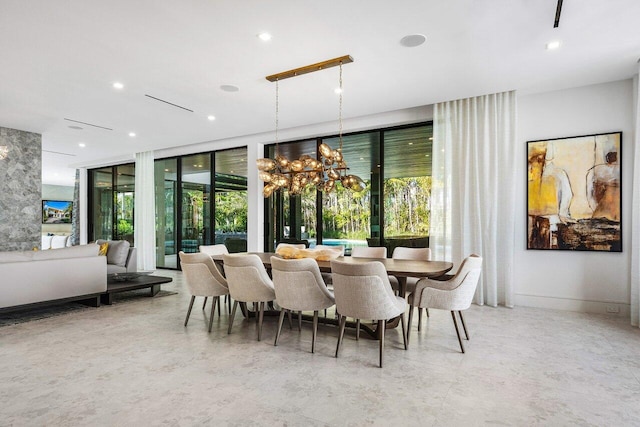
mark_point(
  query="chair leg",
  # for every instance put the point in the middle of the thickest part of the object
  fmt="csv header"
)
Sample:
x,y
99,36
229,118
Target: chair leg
x,y
409,324
204,304
357,329
382,325
280,322
193,298
219,314
419,319
343,322
260,317
404,332
315,331
463,325
300,321
227,300
427,310
213,312
233,314
290,320
455,323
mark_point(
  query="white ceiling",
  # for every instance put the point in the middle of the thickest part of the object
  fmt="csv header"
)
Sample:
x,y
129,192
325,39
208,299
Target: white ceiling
x,y
60,58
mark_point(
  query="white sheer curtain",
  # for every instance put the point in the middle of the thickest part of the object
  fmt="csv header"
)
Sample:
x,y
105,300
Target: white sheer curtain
x,y
635,212
473,190
145,212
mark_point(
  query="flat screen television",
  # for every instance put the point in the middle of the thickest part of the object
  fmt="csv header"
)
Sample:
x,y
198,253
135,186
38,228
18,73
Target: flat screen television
x,y
57,211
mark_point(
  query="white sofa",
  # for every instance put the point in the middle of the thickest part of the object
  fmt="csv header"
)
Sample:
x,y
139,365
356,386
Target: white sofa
x,y
31,277
121,257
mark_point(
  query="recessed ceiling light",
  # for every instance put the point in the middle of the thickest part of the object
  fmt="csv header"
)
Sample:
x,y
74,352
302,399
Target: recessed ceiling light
x,y
82,145
229,88
132,134
230,171
553,45
265,37
411,143
166,170
118,85
361,158
75,127
338,91
212,118
413,40
431,139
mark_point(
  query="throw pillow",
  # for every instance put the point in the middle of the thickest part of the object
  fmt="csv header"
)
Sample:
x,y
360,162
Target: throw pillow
x,y
118,252
103,249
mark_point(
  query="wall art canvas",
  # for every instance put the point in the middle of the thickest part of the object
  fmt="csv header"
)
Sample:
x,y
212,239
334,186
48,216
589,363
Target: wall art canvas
x,y
574,193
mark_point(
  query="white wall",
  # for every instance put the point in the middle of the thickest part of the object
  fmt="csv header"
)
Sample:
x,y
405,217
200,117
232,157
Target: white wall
x,y
580,281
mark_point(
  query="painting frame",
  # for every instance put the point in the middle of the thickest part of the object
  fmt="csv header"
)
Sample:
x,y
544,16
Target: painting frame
x,y
57,211
574,193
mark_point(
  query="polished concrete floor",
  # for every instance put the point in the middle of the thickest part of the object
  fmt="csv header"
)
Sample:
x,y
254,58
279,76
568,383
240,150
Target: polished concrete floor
x,y
134,364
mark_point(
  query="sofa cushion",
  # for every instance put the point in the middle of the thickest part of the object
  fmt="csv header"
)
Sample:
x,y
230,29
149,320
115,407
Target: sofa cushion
x,y
16,256
70,252
117,251
58,242
46,242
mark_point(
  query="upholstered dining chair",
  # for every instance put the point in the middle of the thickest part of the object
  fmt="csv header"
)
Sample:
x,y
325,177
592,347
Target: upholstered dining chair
x,y
327,276
203,279
291,245
415,254
299,287
454,293
211,250
369,252
363,291
248,282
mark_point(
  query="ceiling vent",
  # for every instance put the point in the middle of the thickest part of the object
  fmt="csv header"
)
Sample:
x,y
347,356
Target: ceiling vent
x,y
167,102
88,124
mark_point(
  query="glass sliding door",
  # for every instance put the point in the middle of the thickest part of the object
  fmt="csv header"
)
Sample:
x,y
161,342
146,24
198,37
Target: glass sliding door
x,y
407,187
166,177
195,199
124,202
231,199
101,181
348,218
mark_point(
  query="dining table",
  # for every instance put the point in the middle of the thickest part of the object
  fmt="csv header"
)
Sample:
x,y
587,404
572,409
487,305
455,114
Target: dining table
x,y
401,269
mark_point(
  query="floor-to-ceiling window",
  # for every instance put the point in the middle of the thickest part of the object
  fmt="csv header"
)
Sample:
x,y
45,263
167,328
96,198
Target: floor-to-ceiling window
x,y
166,179
196,196
111,203
393,210
201,199
231,199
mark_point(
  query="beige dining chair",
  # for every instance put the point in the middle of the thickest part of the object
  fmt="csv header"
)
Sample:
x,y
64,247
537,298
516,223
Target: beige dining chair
x,y
453,294
291,245
299,287
212,250
363,291
415,254
369,252
327,276
248,282
203,279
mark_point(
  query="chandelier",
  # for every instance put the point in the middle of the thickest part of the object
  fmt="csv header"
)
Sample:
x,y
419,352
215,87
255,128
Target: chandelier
x,y
322,173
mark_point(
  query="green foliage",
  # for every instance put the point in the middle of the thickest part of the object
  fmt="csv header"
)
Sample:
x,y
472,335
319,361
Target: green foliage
x,y
231,211
124,228
406,206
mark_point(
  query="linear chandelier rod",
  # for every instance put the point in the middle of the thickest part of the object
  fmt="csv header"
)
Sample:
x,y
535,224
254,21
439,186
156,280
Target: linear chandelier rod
x,y
310,68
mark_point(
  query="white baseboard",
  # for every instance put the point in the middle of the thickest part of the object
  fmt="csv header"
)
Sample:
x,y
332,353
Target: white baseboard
x,y
619,309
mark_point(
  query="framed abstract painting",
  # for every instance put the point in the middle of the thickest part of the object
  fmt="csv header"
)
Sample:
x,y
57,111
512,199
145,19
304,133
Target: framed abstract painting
x,y
574,193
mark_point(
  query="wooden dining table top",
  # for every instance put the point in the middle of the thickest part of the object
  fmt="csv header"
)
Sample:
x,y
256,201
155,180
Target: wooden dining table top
x,y
394,267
